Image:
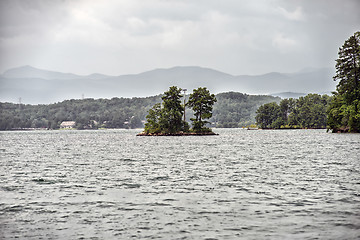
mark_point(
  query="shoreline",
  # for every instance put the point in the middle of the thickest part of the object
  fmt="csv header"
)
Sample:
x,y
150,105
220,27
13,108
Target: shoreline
x,y
177,134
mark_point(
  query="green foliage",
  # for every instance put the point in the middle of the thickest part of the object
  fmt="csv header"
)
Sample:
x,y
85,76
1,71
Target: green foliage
x,y
108,113
231,110
269,116
344,110
305,112
166,117
344,117
172,112
201,102
310,111
153,124
235,109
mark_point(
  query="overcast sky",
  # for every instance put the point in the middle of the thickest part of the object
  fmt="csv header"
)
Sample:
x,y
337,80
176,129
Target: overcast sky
x,y
131,36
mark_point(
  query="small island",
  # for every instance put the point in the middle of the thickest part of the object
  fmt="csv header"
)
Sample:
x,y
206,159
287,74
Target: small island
x,y
168,118
211,133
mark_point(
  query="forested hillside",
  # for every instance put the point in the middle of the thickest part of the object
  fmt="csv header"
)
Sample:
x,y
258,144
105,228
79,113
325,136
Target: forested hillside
x,y
305,112
232,110
235,109
108,113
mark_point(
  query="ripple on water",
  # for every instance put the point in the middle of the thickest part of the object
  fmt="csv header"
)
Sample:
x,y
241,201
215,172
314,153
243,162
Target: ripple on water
x,y
300,184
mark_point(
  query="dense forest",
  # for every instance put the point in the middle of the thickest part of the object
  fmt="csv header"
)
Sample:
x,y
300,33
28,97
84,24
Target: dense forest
x,y
235,109
305,112
339,113
107,113
231,110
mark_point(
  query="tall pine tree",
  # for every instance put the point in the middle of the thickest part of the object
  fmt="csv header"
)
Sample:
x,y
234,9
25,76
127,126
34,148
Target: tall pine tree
x,y
172,110
344,111
201,101
166,117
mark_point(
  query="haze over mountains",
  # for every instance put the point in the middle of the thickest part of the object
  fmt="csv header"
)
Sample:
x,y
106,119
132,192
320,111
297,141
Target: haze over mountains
x,y
36,86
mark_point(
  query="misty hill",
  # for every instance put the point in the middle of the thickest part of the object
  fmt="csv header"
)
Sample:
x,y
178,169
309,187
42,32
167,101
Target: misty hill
x,y
288,95
31,72
41,86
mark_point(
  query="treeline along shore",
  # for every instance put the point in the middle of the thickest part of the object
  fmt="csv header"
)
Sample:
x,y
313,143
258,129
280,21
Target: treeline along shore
x,y
232,109
340,113
162,114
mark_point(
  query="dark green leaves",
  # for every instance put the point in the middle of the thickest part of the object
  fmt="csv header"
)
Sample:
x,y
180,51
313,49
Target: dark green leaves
x,y
167,117
305,112
344,111
201,101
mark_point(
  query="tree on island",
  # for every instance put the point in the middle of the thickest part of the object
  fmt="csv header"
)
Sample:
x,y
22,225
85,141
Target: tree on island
x,y
344,110
201,101
153,119
166,118
172,110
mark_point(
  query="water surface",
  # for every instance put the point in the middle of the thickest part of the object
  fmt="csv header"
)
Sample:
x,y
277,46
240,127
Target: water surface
x,y
285,184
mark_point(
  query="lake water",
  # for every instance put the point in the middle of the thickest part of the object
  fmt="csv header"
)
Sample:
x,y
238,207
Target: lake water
x,y
110,184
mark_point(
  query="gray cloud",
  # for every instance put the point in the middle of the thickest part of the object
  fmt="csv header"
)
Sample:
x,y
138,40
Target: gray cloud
x,y
131,36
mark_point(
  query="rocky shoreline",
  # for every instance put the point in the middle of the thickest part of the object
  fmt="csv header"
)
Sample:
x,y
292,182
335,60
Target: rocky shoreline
x,y
178,134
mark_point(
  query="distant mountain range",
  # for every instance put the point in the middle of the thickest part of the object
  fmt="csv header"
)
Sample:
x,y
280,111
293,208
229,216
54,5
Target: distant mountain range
x,y
36,86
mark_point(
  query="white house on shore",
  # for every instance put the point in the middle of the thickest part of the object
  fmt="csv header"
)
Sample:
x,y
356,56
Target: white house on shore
x,y
67,124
